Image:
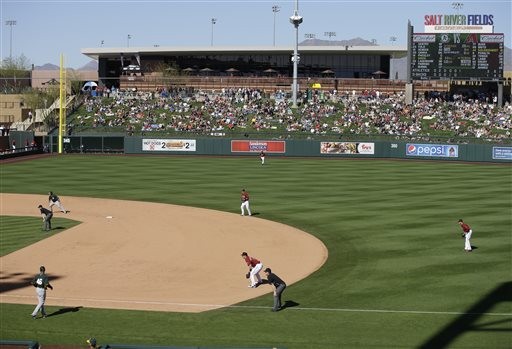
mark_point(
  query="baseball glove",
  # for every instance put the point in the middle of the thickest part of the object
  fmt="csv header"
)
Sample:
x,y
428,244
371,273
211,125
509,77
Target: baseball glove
x,y
248,275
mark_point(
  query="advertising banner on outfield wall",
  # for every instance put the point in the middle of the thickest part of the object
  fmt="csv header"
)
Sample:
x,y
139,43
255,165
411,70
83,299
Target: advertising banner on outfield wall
x,y
438,150
502,153
347,148
238,146
168,144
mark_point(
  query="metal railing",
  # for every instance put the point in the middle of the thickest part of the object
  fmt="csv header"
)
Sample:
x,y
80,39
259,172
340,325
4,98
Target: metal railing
x,y
268,84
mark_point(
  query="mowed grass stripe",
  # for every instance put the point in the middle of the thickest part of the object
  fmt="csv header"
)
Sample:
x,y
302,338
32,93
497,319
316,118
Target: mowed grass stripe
x,y
390,228
19,231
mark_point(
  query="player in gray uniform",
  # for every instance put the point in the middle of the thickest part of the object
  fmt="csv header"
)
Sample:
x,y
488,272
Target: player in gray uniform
x,y
53,199
279,287
47,217
41,283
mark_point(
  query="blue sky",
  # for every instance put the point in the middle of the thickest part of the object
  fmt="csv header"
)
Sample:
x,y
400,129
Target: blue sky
x,y
45,29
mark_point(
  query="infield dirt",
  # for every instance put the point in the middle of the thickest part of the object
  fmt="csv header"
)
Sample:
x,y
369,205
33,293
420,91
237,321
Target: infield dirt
x,y
151,256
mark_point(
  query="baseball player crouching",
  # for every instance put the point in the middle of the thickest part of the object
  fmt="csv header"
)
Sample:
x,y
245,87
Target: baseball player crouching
x,y
255,267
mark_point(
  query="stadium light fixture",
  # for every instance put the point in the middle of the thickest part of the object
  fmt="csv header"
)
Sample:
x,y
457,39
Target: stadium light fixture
x,y
457,6
11,23
330,34
275,9
214,20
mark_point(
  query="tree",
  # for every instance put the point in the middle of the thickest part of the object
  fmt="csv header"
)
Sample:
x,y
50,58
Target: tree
x,y
41,99
73,81
15,74
16,63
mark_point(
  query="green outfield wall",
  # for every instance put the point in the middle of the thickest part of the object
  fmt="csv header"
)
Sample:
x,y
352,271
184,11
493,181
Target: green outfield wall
x,y
328,148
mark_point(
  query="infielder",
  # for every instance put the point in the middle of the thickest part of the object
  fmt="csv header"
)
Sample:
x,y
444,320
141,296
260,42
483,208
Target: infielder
x,y
47,217
466,233
254,269
53,199
41,283
244,197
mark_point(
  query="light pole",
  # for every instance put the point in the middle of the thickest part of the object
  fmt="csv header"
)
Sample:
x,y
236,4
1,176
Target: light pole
x,y
392,39
296,20
102,43
309,36
128,37
275,9
214,20
457,6
10,23
330,35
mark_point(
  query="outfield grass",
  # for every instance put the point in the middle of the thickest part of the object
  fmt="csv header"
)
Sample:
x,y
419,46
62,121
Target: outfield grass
x,y
390,227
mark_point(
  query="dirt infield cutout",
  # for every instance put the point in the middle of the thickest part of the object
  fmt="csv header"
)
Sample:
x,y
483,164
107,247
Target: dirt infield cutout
x,y
151,256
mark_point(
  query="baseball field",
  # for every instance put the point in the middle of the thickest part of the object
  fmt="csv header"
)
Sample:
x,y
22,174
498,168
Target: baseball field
x,y
394,273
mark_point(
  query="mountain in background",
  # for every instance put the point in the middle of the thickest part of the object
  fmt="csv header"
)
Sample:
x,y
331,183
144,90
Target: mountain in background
x,y
91,66
47,66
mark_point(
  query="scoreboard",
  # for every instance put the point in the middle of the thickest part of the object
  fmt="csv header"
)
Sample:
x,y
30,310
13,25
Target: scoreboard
x,y
459,56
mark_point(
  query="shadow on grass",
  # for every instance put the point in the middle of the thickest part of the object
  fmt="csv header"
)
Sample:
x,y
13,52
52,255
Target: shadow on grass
x,y
59,228
62,311
289,304
467,322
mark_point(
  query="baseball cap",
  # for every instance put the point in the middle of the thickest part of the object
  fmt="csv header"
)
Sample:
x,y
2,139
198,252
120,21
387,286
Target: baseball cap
x,y
267,270
91,341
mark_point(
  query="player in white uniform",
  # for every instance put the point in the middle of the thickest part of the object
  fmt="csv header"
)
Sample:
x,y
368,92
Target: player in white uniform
x,y
245,203
53,199
262,157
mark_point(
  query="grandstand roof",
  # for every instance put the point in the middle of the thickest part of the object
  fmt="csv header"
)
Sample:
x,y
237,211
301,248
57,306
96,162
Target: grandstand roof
x,y
106,52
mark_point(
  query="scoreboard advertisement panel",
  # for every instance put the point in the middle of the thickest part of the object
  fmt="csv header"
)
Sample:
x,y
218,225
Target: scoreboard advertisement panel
x,y
459,56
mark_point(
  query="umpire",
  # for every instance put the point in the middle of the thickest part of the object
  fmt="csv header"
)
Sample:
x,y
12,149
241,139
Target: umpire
x,y
279,287
47,217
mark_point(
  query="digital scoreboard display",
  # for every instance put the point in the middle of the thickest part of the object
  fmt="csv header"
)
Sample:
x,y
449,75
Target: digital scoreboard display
x,y
459,56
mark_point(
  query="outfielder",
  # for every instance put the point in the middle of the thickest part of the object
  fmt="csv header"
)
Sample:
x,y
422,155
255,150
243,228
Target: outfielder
x,y
53,199
254,269
466,233
41,283
262,157
244,197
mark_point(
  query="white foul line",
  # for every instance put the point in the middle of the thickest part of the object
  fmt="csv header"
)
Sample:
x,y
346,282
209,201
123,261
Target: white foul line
x,y
263,307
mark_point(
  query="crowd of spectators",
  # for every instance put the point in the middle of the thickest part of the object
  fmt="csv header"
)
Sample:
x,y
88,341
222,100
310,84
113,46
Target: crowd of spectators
x,y
319,112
